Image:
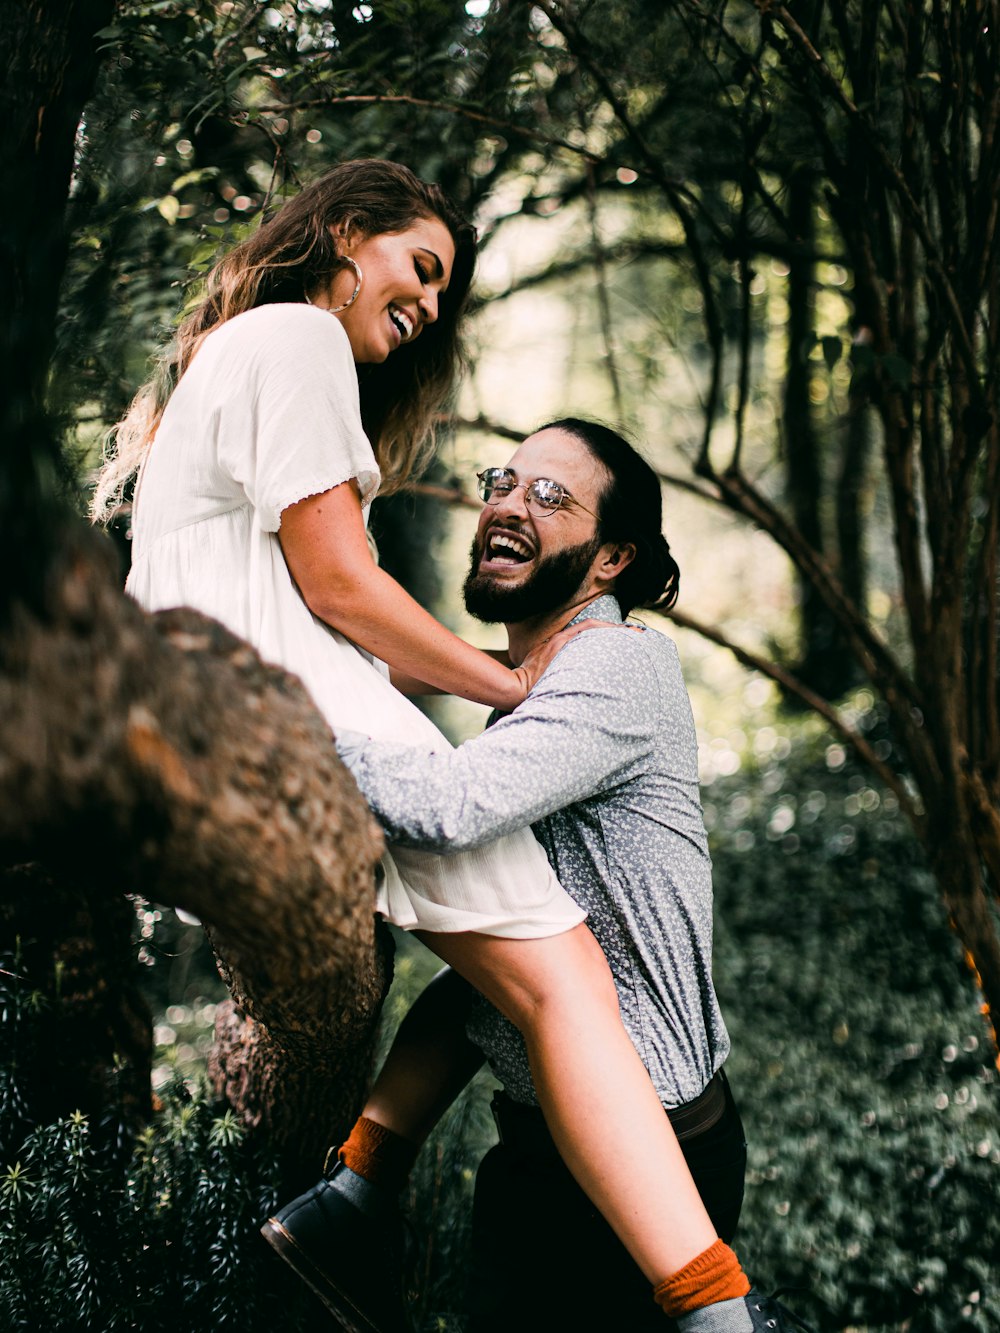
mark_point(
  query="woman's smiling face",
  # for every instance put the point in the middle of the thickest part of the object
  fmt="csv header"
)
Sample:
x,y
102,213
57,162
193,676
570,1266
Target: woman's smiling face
x,y
405,273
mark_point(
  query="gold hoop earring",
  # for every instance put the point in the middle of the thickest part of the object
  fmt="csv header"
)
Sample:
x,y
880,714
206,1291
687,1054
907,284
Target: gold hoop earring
x,y
336,309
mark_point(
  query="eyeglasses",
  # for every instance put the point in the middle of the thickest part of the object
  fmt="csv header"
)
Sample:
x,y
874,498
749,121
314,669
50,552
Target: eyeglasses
x,y
541,496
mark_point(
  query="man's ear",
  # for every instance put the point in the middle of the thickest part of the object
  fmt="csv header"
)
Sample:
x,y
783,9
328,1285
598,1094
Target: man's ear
x,y
617,556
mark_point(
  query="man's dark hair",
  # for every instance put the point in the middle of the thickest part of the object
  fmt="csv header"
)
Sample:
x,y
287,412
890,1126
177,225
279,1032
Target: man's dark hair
x,y
630,510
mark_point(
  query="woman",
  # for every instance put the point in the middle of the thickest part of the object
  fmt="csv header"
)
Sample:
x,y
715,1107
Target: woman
x,y
333,325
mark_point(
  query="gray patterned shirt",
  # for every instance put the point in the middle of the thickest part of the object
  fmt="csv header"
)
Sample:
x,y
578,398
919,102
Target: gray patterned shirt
x,y
601,761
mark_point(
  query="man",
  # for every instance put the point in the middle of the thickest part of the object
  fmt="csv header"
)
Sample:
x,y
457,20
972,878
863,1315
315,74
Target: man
x,y
601,760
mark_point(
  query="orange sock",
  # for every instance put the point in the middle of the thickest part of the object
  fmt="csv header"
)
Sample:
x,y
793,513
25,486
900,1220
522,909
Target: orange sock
x,y
715,1275
380,1155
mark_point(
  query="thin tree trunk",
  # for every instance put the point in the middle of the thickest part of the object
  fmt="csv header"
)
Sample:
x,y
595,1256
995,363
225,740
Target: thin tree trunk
x,y
826,665
850,489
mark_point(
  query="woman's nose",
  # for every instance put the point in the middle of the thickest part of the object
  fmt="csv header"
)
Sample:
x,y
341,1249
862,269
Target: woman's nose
x,y
428,306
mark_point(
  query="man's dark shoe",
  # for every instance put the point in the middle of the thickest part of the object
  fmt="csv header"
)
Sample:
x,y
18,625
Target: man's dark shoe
x,y
770,1316
343,1238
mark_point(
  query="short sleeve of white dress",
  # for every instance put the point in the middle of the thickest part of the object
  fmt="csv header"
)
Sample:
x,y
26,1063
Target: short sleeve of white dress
x,y
300,432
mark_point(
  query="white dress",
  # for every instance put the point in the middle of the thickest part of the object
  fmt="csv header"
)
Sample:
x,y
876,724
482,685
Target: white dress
x,y
267,414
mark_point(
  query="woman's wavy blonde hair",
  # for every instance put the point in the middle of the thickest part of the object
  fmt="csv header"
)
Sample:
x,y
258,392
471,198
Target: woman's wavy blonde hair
x,y
287,258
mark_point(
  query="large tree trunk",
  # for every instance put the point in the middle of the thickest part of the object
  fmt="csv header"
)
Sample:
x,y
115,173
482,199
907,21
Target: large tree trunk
x,y
162,756
155,756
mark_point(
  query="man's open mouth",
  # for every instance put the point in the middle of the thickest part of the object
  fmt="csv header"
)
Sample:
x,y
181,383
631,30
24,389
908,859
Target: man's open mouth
x,y
506,548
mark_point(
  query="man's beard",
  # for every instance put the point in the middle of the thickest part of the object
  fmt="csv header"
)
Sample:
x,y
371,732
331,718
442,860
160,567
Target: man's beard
x,y
556,580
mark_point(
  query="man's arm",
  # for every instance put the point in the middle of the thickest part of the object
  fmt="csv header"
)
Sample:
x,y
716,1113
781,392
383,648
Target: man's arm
x,y
588,720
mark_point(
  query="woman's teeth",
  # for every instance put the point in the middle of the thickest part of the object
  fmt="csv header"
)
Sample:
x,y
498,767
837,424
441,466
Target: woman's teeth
x,y
402,322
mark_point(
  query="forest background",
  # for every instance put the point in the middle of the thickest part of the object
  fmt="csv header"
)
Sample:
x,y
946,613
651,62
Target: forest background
x,y
762,238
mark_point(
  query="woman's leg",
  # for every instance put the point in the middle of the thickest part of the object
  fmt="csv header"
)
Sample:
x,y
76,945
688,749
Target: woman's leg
x,y
599,1104
429,1063
598,1101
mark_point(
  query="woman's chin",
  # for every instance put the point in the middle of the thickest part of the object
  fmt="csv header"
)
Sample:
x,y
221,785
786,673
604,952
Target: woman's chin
x,y
372,356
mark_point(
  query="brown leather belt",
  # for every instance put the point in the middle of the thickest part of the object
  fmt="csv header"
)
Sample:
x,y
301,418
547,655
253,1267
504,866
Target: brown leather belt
x,y
523,1127
706,1110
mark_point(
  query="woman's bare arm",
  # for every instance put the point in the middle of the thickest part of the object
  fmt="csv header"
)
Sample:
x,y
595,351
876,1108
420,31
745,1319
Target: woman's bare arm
x,y
326,549
409,685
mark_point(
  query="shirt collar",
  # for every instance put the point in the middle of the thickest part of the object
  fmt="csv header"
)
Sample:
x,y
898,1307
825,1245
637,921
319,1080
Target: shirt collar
x,y
604,608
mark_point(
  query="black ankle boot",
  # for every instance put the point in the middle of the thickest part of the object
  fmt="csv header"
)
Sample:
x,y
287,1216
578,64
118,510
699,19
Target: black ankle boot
x,y
770,1316
344,1239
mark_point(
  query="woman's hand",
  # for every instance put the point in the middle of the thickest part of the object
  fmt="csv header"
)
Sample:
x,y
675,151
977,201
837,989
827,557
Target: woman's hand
x,y
540,658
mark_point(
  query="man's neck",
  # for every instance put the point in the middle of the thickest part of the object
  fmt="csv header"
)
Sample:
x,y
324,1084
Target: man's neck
x,y
527,634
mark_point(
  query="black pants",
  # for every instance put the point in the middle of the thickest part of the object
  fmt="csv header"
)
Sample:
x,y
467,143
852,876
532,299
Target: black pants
x,y
545,1261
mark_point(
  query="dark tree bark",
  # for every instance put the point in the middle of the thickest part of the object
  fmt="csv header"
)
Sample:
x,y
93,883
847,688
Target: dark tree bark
x,y
157,756
51,61
179,766
852,484
826,664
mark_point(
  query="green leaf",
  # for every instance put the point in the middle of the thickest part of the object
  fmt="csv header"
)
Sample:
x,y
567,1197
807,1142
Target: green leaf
x,y
169,208
195,177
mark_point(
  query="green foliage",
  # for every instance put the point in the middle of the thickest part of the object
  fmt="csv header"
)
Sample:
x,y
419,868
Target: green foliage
x,y
19,1004
204,116
160,1236
864,1079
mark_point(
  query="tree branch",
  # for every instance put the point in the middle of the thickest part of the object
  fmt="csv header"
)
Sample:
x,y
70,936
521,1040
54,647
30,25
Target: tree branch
x,y
424,104
448,494
814,701
207,779
678,195
873,655
484,424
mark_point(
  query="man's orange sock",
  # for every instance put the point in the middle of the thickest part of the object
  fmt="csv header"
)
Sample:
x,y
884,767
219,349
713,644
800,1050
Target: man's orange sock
x,y
380,1155
713,1276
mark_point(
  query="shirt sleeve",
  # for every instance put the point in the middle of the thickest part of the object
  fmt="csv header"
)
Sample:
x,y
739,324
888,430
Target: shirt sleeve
x,y
304,433
579,732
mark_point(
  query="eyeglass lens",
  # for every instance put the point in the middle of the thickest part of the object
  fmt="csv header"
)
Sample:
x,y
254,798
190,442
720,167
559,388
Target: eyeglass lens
x,y
542,494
